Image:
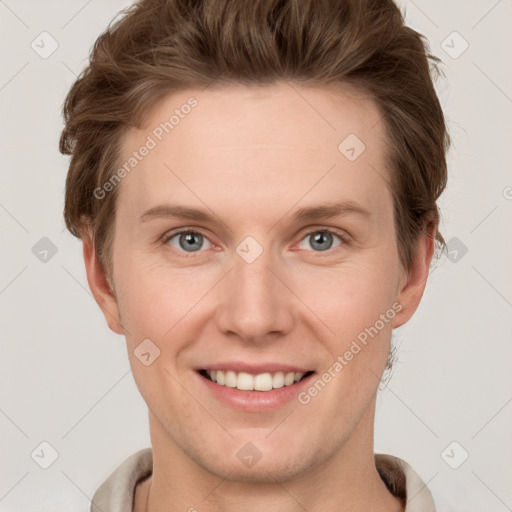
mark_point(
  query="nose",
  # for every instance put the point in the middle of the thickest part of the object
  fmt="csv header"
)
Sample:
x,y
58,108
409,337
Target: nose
x,y
256,303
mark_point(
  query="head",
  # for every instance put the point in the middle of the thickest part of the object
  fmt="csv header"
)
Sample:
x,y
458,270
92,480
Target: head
x,y
252,113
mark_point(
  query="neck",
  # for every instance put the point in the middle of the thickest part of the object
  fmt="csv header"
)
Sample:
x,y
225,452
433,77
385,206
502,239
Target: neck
x,y
347,481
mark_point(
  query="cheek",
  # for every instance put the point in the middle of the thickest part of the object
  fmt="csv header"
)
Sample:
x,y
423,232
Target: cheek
x,y
358,308
154,305
154,299
350,298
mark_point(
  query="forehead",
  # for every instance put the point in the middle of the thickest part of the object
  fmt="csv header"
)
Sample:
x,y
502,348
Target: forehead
x,y
250,142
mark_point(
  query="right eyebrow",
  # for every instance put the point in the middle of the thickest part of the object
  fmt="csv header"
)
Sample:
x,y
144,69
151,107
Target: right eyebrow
x,y
177,211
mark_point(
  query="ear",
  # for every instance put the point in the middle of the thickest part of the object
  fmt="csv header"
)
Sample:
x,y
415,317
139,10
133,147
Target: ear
x,y
415,280
99,285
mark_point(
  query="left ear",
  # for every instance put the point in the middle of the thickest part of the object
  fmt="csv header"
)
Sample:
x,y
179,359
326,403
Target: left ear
x,y
416,278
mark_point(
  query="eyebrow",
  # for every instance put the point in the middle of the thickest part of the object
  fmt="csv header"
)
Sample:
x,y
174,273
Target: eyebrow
x,y
309,213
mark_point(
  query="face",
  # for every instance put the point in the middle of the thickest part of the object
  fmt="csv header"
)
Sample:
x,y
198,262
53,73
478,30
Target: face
x,y
254,245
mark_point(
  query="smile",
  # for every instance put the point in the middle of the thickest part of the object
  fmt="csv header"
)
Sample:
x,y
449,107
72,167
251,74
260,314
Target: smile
x,y
244,381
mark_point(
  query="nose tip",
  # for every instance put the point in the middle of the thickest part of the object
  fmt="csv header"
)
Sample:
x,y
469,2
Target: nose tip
x,y
254,303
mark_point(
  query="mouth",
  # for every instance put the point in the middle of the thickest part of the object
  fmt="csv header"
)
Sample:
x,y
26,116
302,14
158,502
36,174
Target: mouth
x,y
263,382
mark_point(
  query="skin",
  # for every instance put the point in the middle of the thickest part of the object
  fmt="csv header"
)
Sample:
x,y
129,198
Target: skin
x,y
252,156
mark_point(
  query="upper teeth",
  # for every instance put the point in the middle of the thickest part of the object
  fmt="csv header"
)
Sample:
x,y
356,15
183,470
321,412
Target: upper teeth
x,y
261,382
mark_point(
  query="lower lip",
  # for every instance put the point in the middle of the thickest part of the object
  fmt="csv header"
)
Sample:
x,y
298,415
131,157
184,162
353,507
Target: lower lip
x,y
255,401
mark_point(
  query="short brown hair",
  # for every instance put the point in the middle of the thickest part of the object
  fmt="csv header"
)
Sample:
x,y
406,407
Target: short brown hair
x,y
161,46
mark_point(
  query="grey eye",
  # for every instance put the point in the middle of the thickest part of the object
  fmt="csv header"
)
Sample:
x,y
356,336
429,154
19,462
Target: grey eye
x,y
189,241
321,240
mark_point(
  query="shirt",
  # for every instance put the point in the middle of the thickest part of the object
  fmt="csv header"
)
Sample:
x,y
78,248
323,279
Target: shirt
x,y
116,493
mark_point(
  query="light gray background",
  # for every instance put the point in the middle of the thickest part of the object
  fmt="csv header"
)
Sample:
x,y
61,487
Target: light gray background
x,y
66,378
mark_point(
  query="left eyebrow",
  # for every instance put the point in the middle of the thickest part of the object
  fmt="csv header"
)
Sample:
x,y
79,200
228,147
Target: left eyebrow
x,y
330,210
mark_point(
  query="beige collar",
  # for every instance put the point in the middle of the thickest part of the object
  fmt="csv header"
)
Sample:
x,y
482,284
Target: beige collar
x,y
116,494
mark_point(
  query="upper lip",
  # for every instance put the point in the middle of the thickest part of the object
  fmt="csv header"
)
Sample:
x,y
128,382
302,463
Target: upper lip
x,y
254,369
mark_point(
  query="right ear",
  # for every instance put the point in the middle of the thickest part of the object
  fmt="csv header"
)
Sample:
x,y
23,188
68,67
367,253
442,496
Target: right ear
x,y
99,285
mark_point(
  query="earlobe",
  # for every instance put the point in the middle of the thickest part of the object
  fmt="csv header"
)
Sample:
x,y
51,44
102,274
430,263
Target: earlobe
x,y
100,286
412,291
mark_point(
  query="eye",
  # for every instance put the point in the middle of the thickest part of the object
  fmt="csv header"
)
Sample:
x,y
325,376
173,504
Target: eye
x,y
188,241
322,240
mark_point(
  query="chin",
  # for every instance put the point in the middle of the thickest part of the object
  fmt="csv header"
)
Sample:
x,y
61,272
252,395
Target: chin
x,y
263,472
261,462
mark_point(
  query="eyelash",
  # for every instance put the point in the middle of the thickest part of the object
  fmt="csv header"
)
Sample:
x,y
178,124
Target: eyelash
x,y
344,238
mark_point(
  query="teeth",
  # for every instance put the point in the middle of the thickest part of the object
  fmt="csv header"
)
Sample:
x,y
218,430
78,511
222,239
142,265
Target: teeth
x,y
230,379
278,380
245,381
289,379
261,382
